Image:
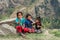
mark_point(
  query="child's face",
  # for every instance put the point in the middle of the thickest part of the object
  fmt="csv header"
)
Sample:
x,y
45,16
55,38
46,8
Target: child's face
x,y
37,20
29,17
19,15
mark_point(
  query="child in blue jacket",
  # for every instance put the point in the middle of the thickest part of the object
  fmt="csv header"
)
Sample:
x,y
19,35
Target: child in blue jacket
x,y
28,23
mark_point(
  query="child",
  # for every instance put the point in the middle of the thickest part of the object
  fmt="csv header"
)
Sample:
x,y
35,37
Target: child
x,y
20,23
28,23
38,25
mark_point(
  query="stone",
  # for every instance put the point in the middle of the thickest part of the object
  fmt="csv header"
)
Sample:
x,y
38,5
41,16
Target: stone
x,y
1,32
6,29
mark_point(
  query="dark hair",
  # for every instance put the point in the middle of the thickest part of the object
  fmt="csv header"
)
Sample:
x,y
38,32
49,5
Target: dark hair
x,y
18,13
38,18
28,15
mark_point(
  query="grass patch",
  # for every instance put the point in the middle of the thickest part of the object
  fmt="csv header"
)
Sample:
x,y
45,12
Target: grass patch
x,y
55,32
32,36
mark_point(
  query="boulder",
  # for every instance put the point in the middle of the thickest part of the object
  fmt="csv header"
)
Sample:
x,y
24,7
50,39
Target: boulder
x,y
6,29
1,32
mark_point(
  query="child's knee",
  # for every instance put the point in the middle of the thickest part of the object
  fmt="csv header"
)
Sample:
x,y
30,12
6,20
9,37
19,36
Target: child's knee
x,y
26,30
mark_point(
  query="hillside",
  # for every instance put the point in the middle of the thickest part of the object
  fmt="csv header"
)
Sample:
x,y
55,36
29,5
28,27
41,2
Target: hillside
x,y
48,10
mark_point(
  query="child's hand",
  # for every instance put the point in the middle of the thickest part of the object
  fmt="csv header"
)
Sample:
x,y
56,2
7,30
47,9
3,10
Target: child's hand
x,y
18,23
33,23
23,26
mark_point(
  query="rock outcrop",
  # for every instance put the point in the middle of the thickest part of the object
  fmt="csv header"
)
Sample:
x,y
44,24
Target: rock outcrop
x,y
6,29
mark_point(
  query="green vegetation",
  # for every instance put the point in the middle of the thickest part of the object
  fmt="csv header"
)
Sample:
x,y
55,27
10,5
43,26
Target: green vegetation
x,y
3,17
55,32
6,15
10,11
32,36
51,23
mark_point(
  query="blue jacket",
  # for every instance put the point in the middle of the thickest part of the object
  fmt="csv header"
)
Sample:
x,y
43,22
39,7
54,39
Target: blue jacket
x,y
28,23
